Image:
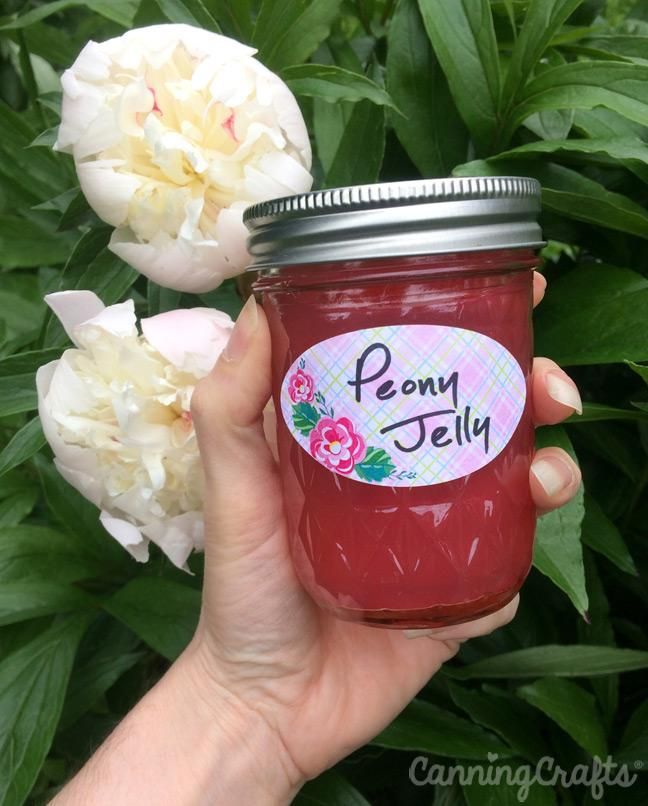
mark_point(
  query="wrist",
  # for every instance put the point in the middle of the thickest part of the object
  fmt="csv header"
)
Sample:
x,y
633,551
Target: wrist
x,y
249,762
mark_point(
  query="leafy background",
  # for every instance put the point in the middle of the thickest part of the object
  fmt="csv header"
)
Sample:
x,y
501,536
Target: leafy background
x,y
556,89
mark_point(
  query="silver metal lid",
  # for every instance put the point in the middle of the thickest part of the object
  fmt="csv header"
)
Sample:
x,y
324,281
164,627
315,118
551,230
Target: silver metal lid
x,y
422,217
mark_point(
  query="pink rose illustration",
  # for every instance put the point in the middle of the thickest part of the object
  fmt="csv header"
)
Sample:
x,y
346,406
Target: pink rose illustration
x,y
336,444
300,387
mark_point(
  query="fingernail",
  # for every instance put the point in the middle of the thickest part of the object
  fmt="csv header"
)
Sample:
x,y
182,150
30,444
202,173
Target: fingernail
x,y
554,475
239,340
564,391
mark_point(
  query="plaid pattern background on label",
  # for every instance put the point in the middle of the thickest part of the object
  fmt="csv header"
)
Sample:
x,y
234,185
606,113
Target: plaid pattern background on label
x,y
407,405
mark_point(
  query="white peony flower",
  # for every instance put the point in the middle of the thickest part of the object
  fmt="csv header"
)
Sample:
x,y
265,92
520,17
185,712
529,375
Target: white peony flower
x,y
116,412
174,131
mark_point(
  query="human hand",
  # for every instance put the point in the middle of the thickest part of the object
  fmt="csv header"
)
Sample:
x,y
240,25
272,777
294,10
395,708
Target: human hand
x,y
322,686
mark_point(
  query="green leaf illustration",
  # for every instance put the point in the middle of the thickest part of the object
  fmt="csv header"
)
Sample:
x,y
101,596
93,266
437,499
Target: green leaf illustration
x,y
376,465
305,417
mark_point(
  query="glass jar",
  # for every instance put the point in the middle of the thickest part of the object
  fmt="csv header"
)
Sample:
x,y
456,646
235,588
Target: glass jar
x,y
400,317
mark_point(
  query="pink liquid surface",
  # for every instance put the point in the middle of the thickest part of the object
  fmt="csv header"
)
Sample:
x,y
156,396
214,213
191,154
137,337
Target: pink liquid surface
x,y
419,556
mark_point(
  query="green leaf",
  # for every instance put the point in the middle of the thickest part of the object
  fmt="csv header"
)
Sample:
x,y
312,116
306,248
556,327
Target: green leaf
x,y
287,32
334,84
34,173
17,394
16,508
595,412
21,601
598,631
430,128
569,193
558,552
89,246
509,776
329,789
26,363
551,124
571,707
463,38
555,660
329,124
27,441
161,299
629,46
235,17
634,742
33,680
601,535
614,443
163,613
107,651
359,154
542,20
19,316
107,275
224,298
305,417
30,553
76,213
631,153
618,86
119,11
376,466
423,726
80,519
594,314
504,716
641,371
191,12
603,124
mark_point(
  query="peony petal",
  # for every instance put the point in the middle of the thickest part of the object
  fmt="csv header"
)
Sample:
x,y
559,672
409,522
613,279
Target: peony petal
x,y
177,537
109,192
231,234
77,465
128,535
118,320
88,485
67,392
92,64
81,105
99,135
260,185
286,170
191,339
72,308
192,267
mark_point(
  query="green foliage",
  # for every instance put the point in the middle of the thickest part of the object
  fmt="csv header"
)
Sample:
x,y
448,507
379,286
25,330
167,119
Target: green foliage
x,y
391,89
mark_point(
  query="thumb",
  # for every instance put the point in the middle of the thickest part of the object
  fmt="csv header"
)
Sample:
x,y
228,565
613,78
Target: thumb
x,y
242,495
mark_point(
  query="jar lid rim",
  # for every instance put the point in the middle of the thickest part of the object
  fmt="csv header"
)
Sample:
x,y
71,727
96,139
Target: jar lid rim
x,y
380,195
390,219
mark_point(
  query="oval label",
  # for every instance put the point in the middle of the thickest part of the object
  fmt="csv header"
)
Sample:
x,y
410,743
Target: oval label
x,y
404,406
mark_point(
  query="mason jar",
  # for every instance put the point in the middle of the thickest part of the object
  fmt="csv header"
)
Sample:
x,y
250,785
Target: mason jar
x,y
400,317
